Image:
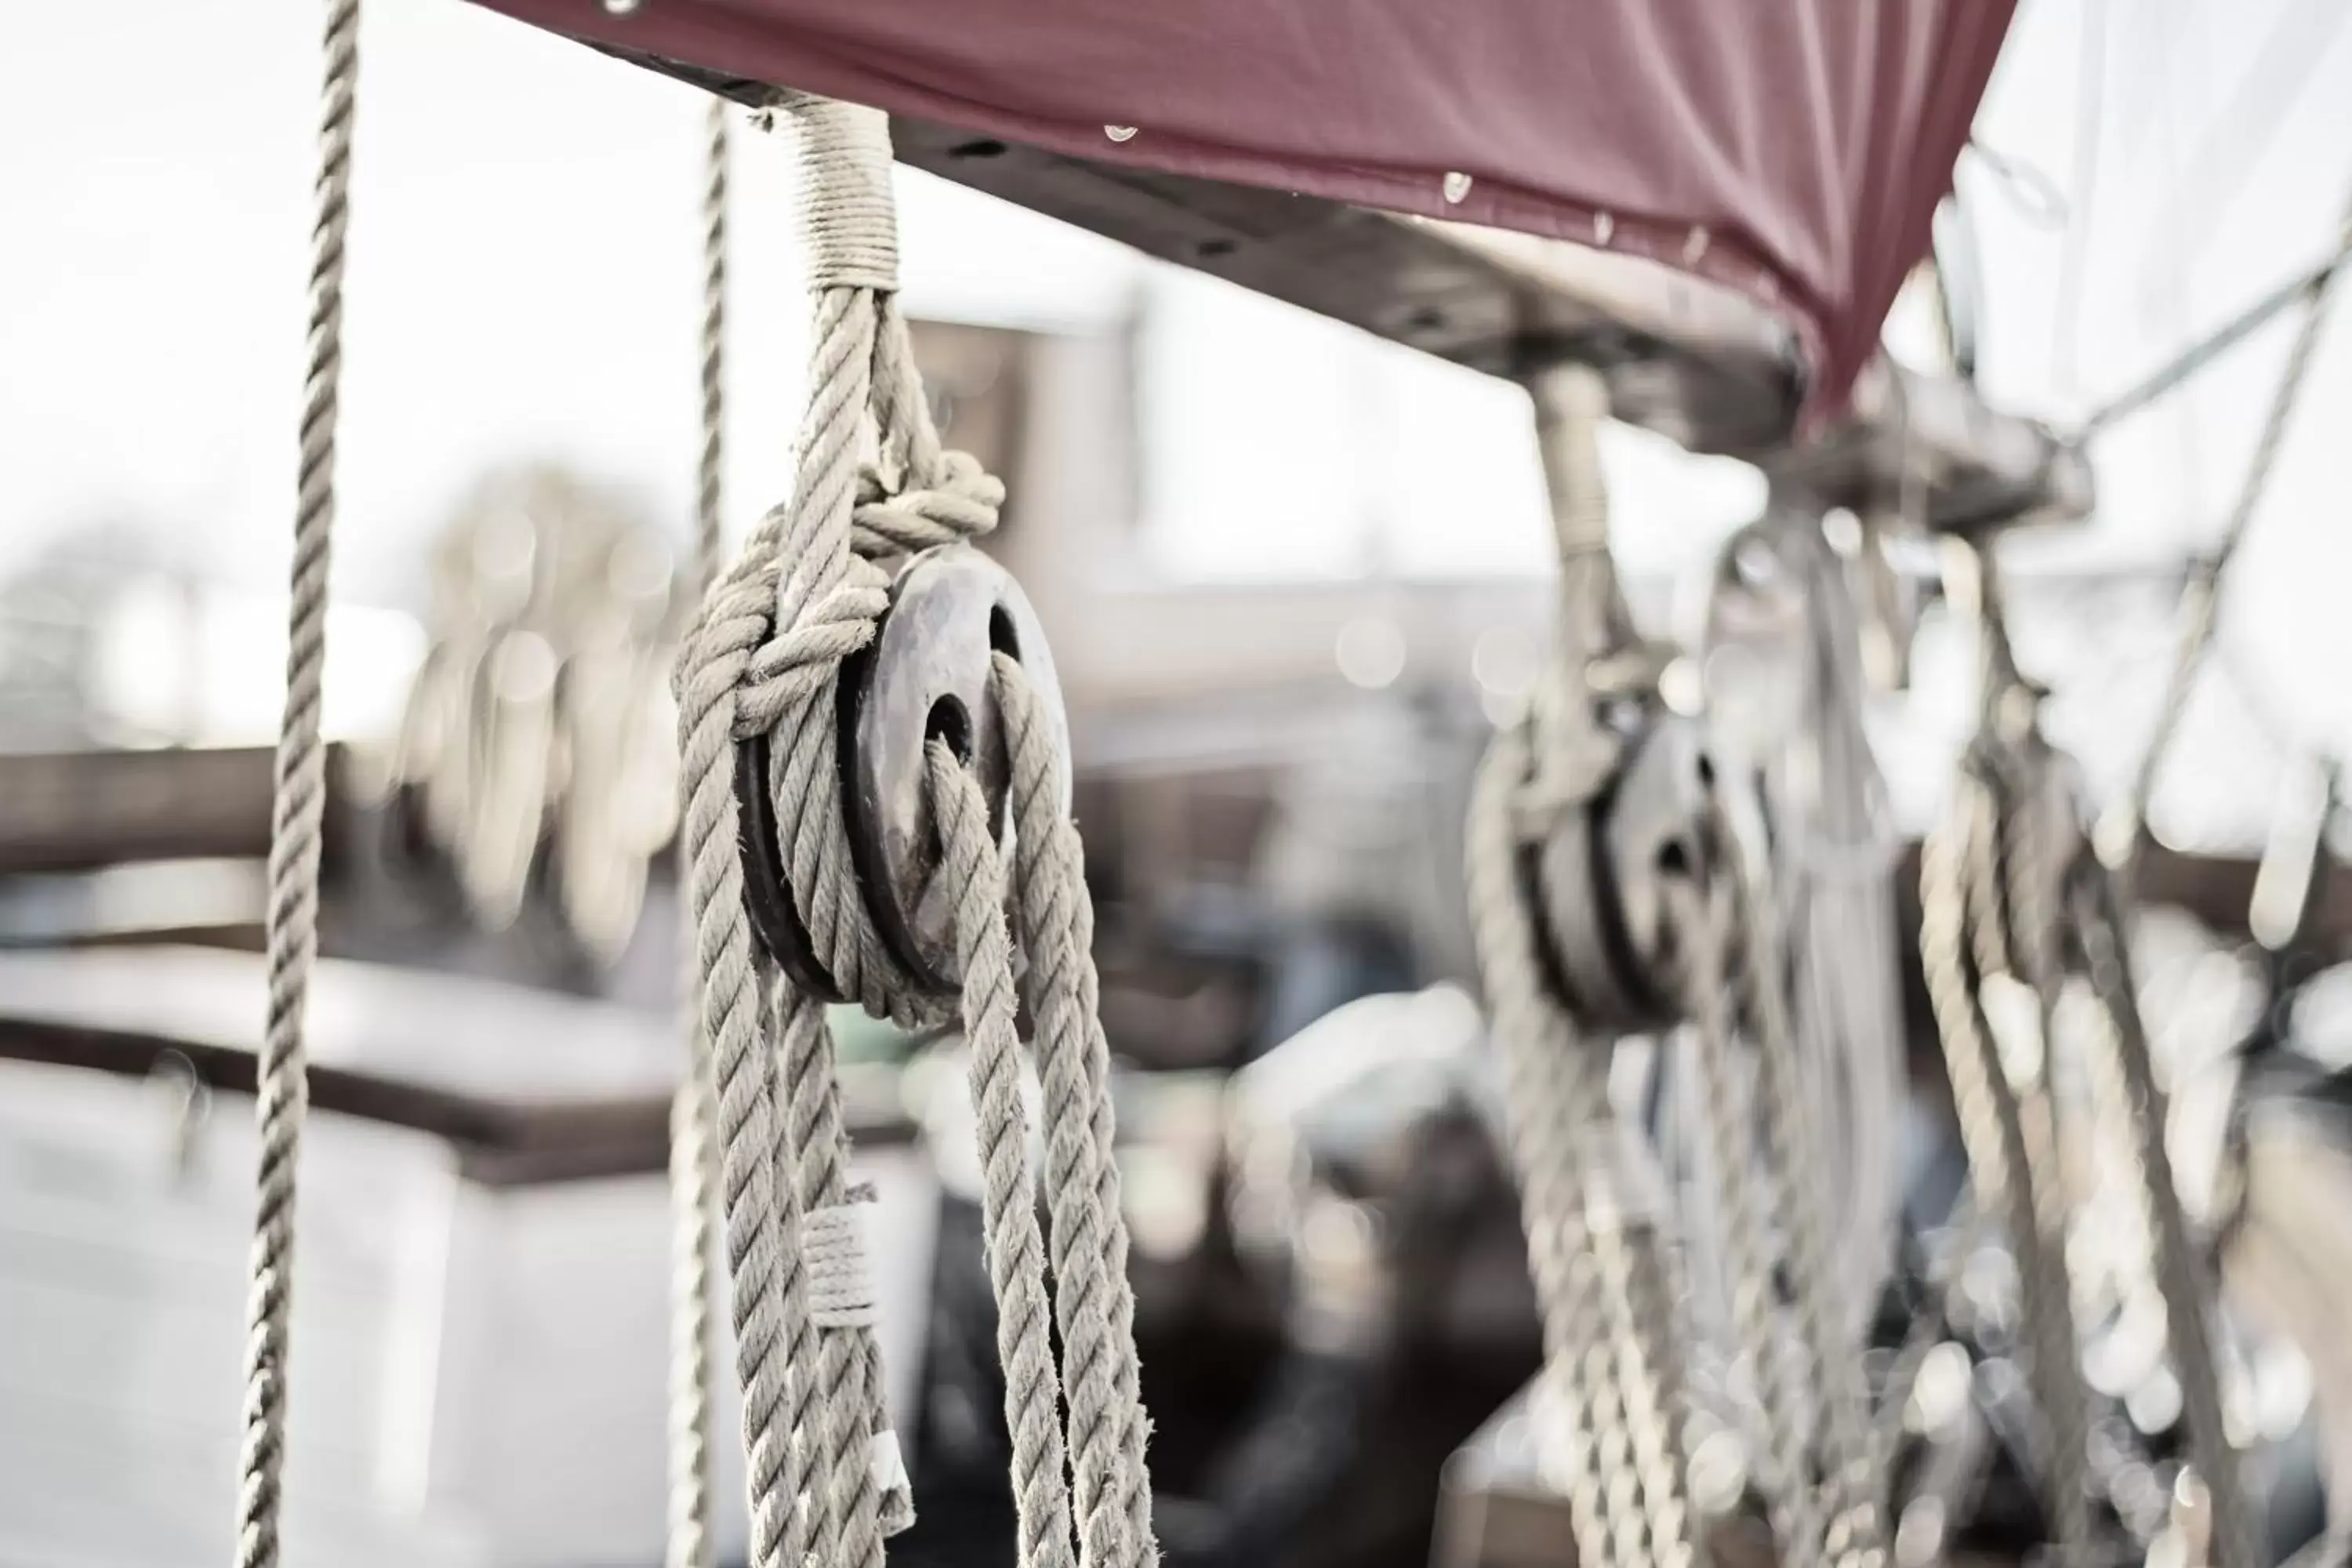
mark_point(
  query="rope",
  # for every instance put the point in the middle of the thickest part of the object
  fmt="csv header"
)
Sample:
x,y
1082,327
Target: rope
x,y
1095,1305
1552,1094
281,1091
2187,1284
763,656
1015,1253
1992,1132
710,543
691,1181
1643,1318
1740,1191
2010,873
694,1115
1793,1150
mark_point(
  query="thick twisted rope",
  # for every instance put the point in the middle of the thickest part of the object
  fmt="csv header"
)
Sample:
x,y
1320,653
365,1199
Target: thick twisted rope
x,y
1992,1132
1095,1307
1554,1097
694,1116
2012,924
1741,1192
1792,1145
2187,1283
731,1043
1644,1323
827,610
282,1089
1015,1252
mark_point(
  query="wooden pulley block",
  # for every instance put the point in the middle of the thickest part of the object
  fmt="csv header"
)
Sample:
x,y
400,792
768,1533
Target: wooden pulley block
x,y
1601,879
924,676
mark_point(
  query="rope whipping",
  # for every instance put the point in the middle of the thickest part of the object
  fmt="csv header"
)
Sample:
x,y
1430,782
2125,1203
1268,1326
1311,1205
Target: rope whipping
x,y
764,657
693,1115
281,1088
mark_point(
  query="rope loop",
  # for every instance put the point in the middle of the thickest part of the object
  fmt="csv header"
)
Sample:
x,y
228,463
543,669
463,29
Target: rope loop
x,y
957,502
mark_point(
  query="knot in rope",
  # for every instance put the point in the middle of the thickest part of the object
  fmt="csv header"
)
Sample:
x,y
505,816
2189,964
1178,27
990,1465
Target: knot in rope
x,y
794,663
956,502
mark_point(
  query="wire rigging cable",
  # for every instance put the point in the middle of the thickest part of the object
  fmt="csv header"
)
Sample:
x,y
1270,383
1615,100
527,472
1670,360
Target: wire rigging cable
x,y
2120,832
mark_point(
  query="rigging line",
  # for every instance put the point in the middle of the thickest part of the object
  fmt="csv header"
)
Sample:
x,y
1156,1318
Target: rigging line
x,y
2308,285
2120,833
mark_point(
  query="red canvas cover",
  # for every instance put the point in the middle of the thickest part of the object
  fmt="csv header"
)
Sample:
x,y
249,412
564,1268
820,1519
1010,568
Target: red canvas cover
x,y
1793,148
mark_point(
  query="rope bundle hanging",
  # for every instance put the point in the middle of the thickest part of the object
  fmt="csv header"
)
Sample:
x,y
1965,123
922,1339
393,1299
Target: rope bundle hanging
x,y
2011,899
1597,774
878,873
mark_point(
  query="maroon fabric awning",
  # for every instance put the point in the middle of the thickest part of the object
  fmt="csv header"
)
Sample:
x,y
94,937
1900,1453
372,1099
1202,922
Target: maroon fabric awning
x,y
1795,149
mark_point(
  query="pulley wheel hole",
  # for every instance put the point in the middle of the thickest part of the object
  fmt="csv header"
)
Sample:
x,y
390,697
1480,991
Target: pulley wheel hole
x,y
950,720
1002,636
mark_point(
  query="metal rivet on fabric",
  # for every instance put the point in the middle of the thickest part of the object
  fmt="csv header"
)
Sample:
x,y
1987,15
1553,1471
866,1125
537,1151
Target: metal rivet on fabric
x,y
1695,246
1119,133
1457,185
1604,227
